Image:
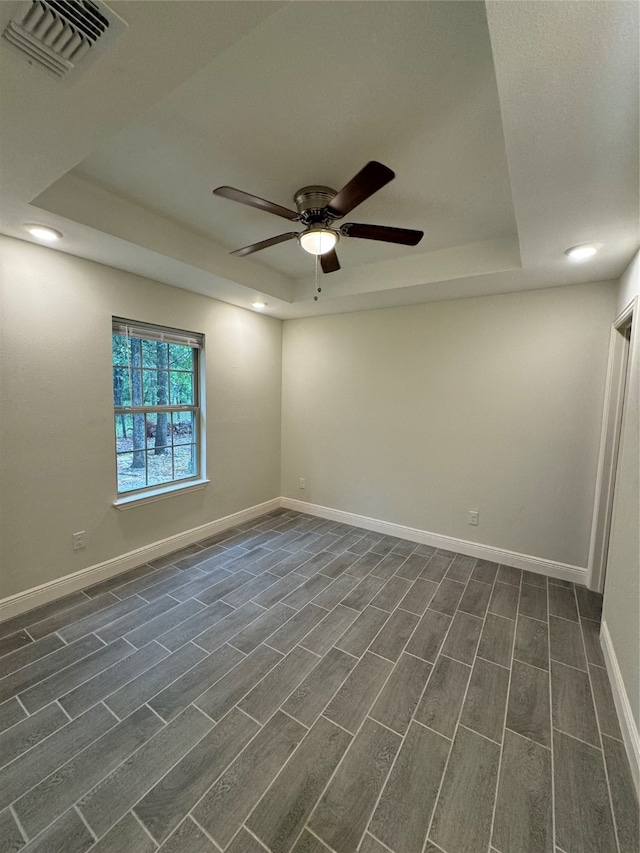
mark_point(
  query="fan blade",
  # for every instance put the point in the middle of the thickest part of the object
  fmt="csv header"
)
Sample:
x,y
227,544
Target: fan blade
x,y
264,244
368,181
329,261
254,201
382,232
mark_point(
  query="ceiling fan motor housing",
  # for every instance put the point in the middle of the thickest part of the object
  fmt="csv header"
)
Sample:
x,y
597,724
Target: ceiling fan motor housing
x,y
311,203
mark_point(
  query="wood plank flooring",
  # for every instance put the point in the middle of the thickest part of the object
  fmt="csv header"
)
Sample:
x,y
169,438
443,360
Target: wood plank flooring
x,y
296,685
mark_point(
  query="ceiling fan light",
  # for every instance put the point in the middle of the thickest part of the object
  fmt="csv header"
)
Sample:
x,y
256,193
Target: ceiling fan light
x,y
318,241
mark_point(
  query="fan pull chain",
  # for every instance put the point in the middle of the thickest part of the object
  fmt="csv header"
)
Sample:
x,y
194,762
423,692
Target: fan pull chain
x,y
318,288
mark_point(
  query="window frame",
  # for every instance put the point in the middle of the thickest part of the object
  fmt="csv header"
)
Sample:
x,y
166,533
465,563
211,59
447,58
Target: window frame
x,y
143,331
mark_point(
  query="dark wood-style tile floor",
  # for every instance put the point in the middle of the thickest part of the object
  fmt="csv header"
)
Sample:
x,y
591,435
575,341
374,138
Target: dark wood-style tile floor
x,y
299,685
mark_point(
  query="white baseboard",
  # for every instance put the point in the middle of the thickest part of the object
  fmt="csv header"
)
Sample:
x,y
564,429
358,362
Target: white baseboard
x,y
576,574
38,595
630,734
60,587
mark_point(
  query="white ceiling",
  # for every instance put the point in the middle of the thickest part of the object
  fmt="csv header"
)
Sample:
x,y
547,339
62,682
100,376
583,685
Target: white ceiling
x,y
512,128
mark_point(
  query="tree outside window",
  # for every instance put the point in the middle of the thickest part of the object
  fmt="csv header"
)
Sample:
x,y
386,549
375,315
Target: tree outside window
x,y
156,405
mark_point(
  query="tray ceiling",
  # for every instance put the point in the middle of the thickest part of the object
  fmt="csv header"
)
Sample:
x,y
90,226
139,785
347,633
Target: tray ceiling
x,y
496,119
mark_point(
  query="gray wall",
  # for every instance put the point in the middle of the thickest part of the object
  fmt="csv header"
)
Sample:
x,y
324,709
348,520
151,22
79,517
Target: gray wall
x,y
622,581
57,469
411,415
416,415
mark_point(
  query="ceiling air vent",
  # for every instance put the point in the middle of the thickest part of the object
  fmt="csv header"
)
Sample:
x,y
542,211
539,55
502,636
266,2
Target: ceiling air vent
x,y
63,36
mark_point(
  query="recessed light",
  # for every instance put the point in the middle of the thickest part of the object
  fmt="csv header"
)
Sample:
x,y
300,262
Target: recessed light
x,y
582,252
259,305
43,232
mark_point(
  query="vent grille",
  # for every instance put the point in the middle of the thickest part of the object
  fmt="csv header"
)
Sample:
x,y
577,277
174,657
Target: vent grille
x,y
61,36
84,16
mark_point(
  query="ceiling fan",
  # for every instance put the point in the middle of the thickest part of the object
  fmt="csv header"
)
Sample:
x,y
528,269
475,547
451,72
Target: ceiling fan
x,y
318,208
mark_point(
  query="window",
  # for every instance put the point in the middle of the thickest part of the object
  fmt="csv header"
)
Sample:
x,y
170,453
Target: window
x,y
156,398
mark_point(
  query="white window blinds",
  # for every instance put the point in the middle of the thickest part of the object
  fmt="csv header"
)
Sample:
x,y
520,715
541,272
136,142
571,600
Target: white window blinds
x,y
150,332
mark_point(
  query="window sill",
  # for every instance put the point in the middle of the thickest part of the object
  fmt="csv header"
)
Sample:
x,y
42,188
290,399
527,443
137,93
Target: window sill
x,y
159,494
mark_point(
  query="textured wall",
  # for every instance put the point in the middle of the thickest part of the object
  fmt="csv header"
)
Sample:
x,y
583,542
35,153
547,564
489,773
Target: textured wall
x,y
56,421
416,415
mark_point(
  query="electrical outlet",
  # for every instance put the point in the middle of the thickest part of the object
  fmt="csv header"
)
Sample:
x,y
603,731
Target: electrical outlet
x,y
78,541
473,516
301,483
